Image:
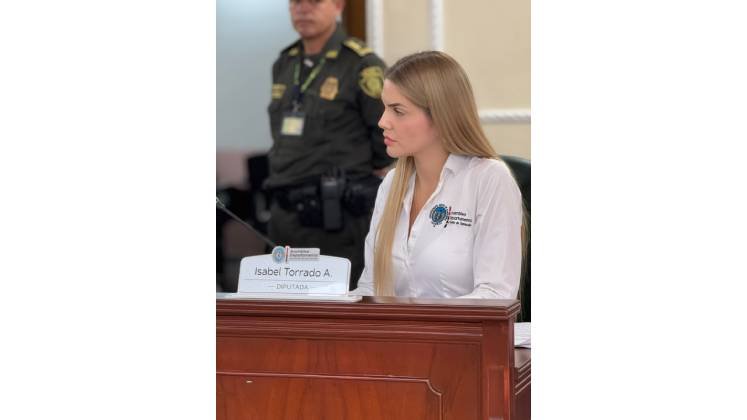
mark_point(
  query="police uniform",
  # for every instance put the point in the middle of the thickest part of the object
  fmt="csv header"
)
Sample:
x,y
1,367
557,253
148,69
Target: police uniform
x,y
324,118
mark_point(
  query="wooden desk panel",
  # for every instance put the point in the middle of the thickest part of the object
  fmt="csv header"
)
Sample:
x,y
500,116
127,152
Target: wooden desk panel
x,y
297,396
383,358
523,383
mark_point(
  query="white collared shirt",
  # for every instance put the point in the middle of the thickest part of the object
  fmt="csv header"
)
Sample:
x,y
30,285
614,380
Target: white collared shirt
x,y
466,240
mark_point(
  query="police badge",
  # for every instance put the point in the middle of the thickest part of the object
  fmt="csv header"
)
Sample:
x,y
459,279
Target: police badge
x,y
329,89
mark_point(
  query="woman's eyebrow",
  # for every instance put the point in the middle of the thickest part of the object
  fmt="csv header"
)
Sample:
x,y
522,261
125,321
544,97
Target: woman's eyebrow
x,y
395,104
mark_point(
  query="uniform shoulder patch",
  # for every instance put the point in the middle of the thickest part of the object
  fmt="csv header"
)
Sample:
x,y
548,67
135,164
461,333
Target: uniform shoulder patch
x,y
292,49
357,46
371,81
277,90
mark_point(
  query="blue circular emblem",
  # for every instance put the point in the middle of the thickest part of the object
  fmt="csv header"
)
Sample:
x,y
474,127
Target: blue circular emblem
x,y
438,214
278,254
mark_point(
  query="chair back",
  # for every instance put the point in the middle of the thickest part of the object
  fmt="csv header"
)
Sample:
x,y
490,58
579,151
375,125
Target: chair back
x,y
522,170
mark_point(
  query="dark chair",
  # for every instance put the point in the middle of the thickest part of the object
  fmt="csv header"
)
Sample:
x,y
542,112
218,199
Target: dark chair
x,y
258,168
251,204
522,172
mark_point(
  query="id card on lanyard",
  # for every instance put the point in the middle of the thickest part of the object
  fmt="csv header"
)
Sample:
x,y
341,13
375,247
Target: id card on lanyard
x,y
293,121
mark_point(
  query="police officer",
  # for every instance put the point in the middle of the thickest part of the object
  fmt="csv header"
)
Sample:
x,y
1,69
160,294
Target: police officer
x,y
327,147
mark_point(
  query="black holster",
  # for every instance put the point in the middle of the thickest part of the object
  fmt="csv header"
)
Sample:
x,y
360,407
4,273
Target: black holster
x,y
360,195
332,188
304,200
320,204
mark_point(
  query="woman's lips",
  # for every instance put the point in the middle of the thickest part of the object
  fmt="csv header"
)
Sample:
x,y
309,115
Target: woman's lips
x,y
388,141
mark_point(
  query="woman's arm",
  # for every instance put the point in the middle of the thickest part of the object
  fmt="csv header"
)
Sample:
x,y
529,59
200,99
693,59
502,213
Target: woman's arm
x,y
497,246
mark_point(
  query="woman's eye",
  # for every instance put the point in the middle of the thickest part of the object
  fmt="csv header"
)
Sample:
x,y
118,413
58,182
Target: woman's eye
x,y
398,112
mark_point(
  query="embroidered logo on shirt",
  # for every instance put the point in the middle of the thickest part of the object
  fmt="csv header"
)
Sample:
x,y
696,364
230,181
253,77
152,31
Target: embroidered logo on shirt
x,y
458,218
439,213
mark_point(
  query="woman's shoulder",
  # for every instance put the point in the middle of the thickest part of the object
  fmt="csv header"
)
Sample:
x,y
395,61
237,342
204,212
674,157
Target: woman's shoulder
x,y
493,176
489,168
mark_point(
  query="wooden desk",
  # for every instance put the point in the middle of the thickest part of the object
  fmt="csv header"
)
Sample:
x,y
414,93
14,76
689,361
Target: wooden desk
x,y
523,383
382,358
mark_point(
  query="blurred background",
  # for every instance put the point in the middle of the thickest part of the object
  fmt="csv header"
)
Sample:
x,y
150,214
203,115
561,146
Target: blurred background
x,y
489,38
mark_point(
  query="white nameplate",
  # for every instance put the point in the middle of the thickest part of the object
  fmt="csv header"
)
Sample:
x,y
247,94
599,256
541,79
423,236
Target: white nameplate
x,y
294,271
314,298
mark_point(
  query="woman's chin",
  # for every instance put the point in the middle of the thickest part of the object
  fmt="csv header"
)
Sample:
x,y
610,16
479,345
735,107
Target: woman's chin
x,y
394,152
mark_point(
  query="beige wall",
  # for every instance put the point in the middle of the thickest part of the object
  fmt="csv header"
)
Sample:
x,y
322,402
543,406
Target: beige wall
x,y
490,38
411,15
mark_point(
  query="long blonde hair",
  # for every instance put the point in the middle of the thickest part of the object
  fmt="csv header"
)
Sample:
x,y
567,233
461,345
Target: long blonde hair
x,y
436,83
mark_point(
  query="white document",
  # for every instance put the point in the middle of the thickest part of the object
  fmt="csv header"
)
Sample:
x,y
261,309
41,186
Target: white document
x,y
522,334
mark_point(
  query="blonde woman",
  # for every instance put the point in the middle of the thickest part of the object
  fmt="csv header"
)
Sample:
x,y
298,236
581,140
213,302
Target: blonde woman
x,y
447,220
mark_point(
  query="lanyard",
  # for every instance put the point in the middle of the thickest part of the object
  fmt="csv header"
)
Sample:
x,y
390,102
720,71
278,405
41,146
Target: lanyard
x,y
312,76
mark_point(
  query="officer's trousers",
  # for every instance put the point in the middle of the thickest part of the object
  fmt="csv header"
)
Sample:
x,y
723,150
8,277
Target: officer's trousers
x,y
285,228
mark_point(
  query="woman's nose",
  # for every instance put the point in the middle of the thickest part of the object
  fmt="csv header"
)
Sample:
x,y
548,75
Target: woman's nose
x,y
383,123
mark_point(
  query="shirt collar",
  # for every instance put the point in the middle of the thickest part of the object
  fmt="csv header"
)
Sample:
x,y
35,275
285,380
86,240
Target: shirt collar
x,y
455,163
409,192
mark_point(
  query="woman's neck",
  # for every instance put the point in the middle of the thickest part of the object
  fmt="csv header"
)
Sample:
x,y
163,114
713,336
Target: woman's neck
x,y
428,166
